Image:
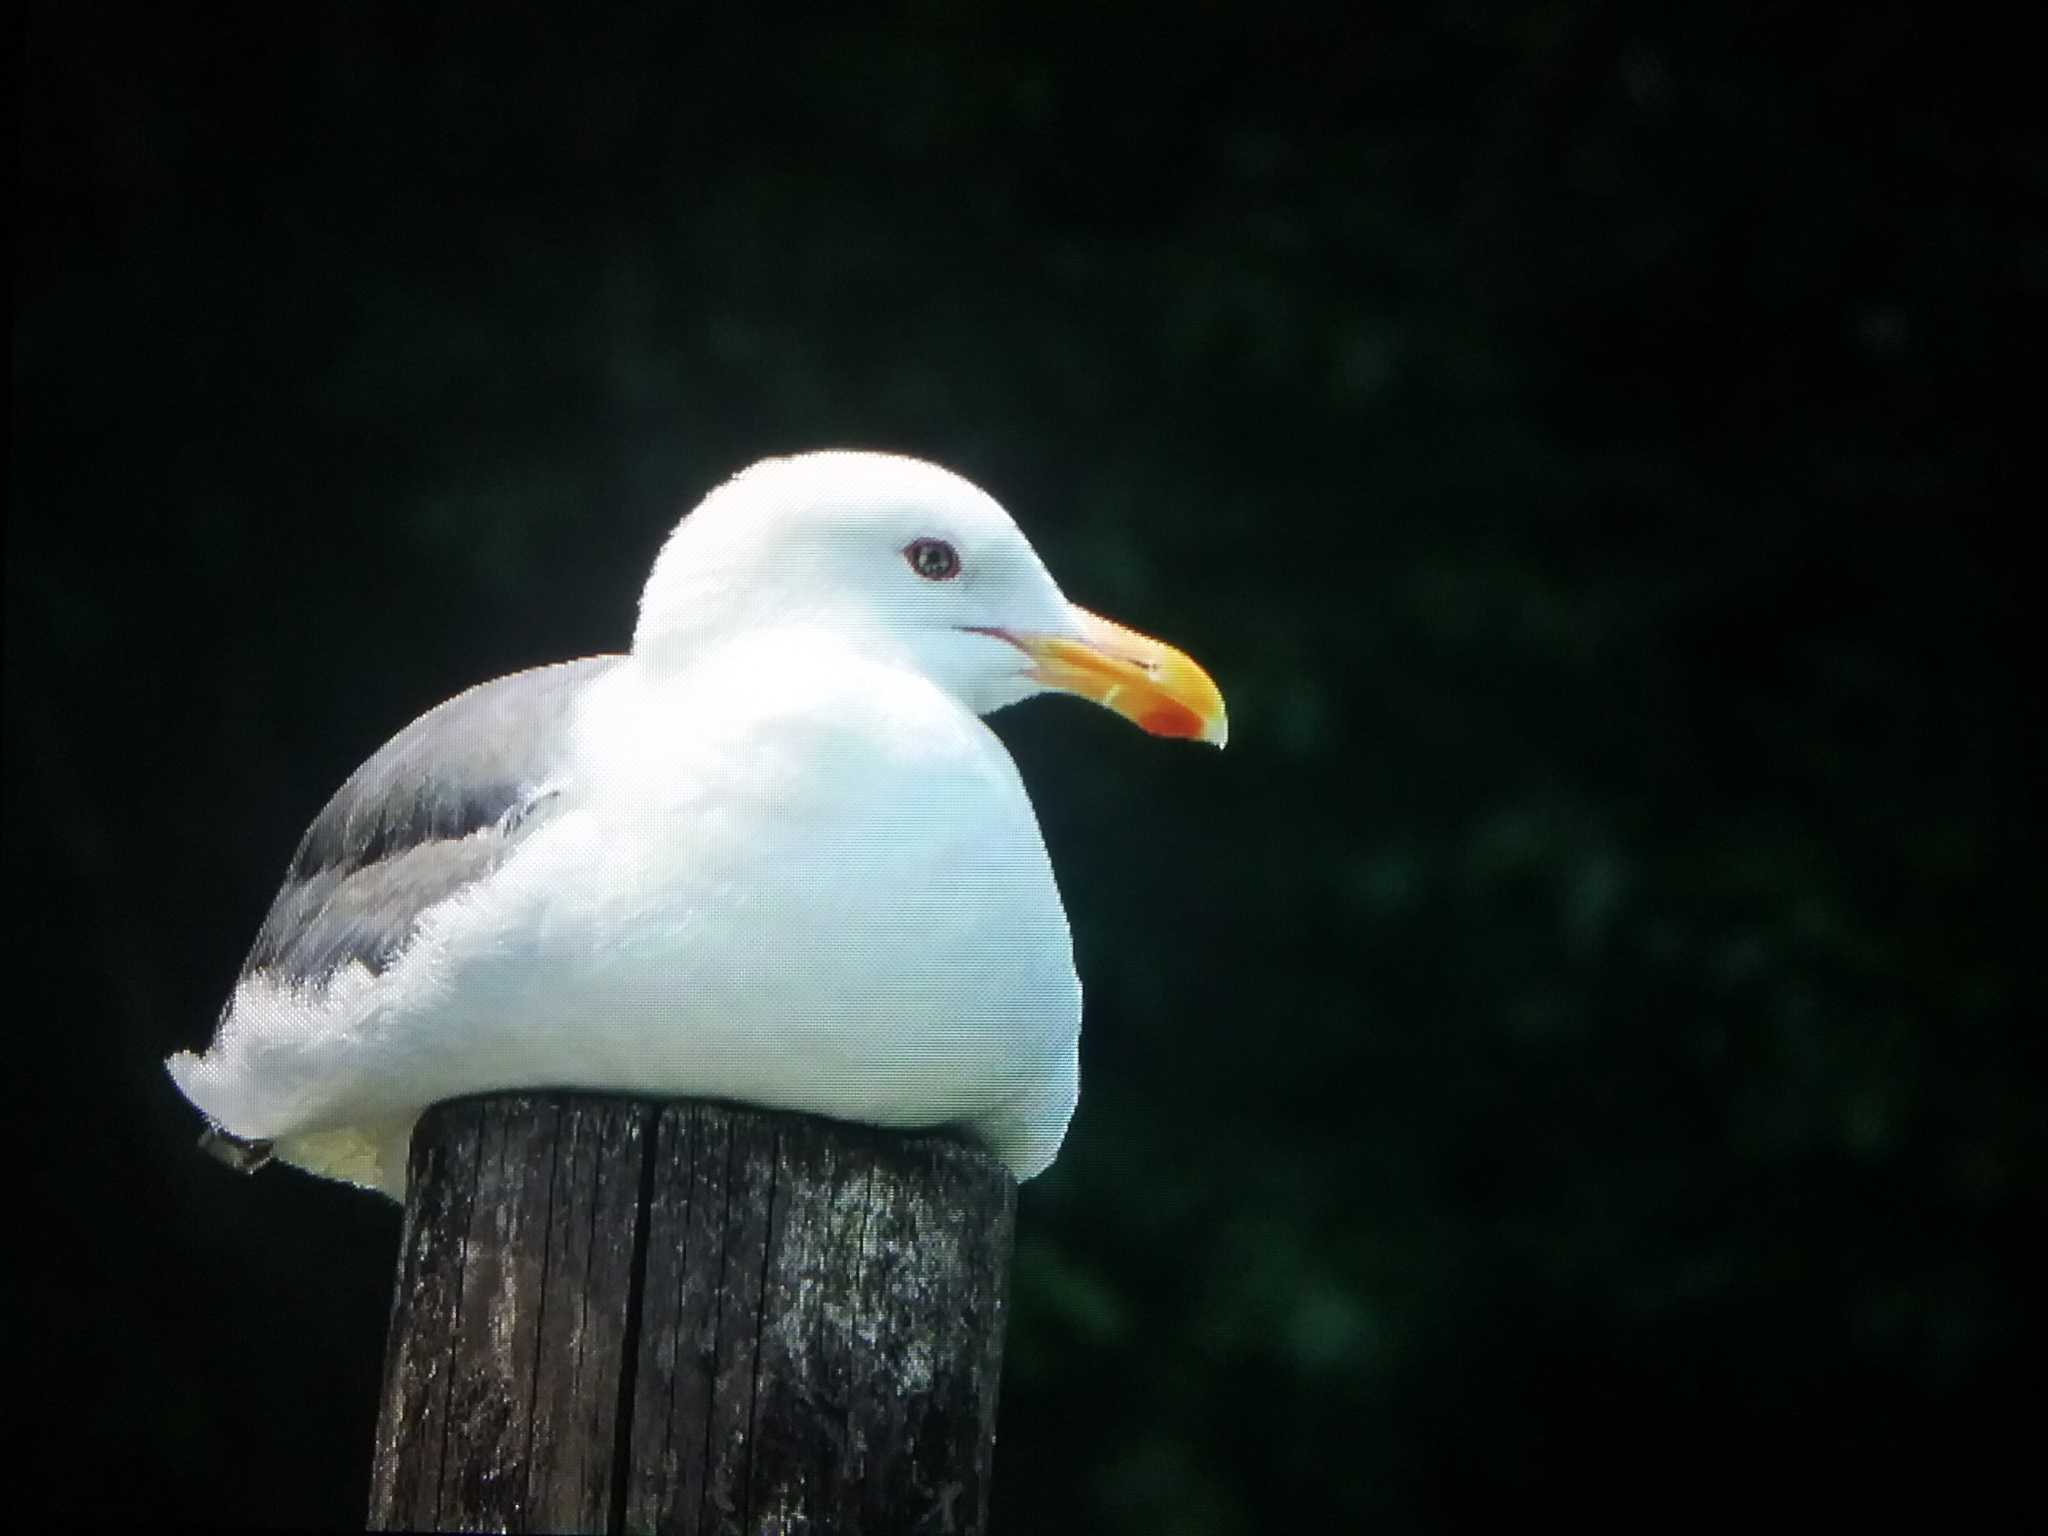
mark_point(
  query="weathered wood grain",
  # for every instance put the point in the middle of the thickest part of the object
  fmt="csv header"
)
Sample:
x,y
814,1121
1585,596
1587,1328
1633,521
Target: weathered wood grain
x,y
691,1317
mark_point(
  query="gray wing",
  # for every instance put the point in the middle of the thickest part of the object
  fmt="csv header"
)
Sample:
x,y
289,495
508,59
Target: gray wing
x,y
443,803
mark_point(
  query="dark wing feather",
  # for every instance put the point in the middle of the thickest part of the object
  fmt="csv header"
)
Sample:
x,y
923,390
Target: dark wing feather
x,y
443,803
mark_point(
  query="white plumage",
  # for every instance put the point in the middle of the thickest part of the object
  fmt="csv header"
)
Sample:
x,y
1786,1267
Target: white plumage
x,y
772,855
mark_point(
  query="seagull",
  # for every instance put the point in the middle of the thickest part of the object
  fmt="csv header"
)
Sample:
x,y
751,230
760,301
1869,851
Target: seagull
x,y
772,855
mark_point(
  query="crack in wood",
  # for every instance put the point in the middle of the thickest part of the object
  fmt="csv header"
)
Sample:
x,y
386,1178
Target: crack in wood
x,y
670,1377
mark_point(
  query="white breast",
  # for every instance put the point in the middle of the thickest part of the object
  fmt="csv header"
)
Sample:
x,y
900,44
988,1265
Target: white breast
x,y
824,892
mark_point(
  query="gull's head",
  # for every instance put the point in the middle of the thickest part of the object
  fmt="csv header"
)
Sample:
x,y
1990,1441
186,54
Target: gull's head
x,y
906,560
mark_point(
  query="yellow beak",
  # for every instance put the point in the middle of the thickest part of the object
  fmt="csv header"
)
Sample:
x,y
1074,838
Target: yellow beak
x,y
1148,682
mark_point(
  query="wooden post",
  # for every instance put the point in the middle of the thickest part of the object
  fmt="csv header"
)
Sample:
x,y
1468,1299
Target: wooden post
x,y
614,1315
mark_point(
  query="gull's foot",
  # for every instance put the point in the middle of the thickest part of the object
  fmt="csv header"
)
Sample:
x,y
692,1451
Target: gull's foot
x,y
242,1156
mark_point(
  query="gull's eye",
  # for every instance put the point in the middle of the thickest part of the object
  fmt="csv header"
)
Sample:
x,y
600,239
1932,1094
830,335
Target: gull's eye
x,y
933,559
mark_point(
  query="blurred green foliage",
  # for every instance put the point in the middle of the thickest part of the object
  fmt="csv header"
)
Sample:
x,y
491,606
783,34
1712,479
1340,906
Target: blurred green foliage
x,y
1578,1047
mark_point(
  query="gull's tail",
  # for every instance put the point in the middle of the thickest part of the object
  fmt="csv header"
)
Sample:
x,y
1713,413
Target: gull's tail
x,y
244,1154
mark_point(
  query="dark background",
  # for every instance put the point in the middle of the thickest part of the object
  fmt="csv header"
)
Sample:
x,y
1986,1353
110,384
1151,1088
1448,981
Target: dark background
x,y
1576,1051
